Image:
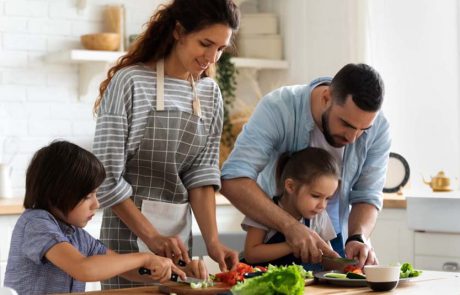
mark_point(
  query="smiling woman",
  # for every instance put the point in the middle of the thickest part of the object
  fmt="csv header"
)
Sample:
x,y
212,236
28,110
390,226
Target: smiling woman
x,y
158,133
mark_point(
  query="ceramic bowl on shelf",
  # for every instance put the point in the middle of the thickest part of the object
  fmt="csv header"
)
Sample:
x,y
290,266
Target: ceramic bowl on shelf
x,y
101,41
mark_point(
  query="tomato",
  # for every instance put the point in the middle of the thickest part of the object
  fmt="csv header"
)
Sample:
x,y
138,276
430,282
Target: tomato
x,y
353,269
232,277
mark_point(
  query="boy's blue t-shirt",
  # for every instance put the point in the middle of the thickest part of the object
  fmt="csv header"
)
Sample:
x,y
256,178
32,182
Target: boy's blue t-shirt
x,y
28,271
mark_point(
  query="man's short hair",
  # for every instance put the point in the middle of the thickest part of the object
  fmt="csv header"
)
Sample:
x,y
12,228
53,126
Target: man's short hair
x,y
360,81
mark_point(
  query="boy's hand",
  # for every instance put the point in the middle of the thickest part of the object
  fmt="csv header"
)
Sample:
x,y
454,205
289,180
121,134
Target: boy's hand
x,y
162,268
196,269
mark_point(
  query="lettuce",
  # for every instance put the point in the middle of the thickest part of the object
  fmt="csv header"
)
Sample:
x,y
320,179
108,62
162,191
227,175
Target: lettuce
x,y
278,280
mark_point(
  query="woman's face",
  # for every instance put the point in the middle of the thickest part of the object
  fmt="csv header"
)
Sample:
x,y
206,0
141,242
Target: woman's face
x,y
196,51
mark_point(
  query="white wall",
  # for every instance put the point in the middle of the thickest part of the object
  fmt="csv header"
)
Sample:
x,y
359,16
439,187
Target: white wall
x,y
412,43
39,101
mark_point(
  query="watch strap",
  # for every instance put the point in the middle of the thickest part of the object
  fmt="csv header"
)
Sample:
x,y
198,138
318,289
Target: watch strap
x,y
357,237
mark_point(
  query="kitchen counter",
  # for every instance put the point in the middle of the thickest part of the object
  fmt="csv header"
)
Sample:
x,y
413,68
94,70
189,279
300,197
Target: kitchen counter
x,y
11,206
14,206
430,282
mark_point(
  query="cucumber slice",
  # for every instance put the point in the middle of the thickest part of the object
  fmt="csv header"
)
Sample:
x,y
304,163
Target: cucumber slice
x,y
335,275
355,276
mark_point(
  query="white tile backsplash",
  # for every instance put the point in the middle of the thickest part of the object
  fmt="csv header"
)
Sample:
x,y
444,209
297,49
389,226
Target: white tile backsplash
x,y
39,100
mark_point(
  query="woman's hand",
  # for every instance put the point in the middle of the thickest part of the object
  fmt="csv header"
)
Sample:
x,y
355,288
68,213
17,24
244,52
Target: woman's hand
x,y
196,269
161,268
171,247
224,256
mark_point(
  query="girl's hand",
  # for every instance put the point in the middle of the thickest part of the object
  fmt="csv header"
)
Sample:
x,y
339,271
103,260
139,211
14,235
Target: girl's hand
x,y
224,256
196,269
162,268
171,247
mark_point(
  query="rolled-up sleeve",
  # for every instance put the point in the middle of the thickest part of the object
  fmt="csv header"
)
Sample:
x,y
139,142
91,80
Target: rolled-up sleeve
x,y
205,169
261,137
368,188
110,141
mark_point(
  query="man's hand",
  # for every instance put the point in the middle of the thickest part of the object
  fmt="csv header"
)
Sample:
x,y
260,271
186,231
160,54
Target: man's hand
x,y
307,244
171,247
224,256
361,251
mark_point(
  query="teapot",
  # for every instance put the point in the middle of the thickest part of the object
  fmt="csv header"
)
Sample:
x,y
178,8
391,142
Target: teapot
x,y
439,183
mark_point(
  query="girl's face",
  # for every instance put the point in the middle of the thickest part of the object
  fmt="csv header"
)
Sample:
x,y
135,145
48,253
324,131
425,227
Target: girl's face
x,y
84,211
196,51
310,200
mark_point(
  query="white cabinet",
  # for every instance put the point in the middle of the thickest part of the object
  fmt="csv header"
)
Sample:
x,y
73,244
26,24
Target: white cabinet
x,y
437,251
392,239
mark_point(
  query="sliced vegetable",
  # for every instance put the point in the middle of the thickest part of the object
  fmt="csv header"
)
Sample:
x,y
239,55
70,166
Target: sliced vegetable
x,y
355,276
335,275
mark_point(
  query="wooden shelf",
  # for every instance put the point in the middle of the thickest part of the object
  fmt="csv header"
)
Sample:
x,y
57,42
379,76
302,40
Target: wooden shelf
x,y
93,65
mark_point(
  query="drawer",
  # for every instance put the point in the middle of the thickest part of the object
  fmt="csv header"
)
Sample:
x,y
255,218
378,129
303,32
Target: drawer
x,y
437,244
439,263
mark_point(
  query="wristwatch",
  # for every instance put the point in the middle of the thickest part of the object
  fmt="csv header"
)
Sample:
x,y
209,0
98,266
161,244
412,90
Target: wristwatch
x,y
358,237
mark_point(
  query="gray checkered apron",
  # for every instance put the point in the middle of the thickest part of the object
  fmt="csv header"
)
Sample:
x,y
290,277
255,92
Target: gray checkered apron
x,y
155,173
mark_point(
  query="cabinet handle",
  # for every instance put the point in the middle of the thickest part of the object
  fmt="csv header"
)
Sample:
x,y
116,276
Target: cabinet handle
x,y
450,266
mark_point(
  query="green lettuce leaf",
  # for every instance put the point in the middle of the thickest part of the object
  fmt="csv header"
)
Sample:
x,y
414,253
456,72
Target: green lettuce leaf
x,y
277,280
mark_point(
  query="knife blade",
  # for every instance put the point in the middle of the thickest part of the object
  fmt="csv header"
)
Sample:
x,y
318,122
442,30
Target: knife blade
x,y
174,277
337,263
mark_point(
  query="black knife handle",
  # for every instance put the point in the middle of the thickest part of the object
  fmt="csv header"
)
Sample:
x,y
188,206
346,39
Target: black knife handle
x,y
146,271
174,277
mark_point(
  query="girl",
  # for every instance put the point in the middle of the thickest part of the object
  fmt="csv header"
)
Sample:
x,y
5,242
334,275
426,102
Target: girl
x,y
306,181
50,252
159,122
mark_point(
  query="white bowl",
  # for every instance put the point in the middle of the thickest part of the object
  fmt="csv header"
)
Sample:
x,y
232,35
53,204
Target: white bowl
x,y
382,277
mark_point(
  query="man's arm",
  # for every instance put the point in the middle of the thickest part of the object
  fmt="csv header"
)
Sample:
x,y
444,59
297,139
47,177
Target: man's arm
x,y
362,221
249,198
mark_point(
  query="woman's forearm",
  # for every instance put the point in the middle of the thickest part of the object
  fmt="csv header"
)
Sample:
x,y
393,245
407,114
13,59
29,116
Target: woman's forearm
x,y
135,220
203,202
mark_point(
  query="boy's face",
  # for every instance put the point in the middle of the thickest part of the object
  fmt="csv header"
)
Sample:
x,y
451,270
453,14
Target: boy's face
x,y
84,211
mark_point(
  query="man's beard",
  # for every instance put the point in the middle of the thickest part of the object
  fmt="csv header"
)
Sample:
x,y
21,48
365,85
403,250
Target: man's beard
x,y
326,131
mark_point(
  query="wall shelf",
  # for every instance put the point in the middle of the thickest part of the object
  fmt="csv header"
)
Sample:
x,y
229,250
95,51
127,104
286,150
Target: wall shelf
x,y
93,64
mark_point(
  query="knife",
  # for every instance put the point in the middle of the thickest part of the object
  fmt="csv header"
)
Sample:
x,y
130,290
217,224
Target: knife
x,y
174,277
337,263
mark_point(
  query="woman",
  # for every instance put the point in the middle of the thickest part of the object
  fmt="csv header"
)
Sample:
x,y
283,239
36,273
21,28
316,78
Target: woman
x,y
158,133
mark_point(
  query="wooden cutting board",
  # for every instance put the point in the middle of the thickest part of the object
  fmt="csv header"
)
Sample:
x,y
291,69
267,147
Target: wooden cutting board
x,y
185,289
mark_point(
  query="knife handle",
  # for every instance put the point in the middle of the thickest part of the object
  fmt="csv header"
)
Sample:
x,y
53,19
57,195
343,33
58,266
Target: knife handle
x,y
146,271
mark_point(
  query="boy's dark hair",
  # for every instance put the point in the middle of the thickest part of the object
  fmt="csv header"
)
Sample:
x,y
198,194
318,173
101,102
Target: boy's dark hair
x,y
305,165
60,175
360,81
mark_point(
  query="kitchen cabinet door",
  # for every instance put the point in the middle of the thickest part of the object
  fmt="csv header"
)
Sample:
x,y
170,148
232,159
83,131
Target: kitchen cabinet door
x,y
392,239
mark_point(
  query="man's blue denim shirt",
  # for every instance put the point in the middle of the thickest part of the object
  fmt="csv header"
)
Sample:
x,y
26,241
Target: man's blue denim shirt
x,y
282,122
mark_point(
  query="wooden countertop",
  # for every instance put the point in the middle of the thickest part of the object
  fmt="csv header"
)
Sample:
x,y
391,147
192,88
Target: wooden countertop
x,y
430,282
14,206
11,206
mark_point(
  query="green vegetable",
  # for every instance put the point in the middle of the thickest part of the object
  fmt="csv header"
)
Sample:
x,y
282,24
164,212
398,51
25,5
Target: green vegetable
x,y
335,275
407,271
277,280
355,276
309,274
196,285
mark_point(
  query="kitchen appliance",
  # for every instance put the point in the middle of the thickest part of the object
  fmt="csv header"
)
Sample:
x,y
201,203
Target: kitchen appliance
x,y
6,188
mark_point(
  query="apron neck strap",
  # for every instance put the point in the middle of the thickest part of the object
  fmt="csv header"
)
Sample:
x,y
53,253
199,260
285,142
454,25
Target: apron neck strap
x,y
160,85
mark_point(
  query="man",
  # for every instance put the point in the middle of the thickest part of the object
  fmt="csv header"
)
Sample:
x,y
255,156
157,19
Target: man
x,y
341,115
